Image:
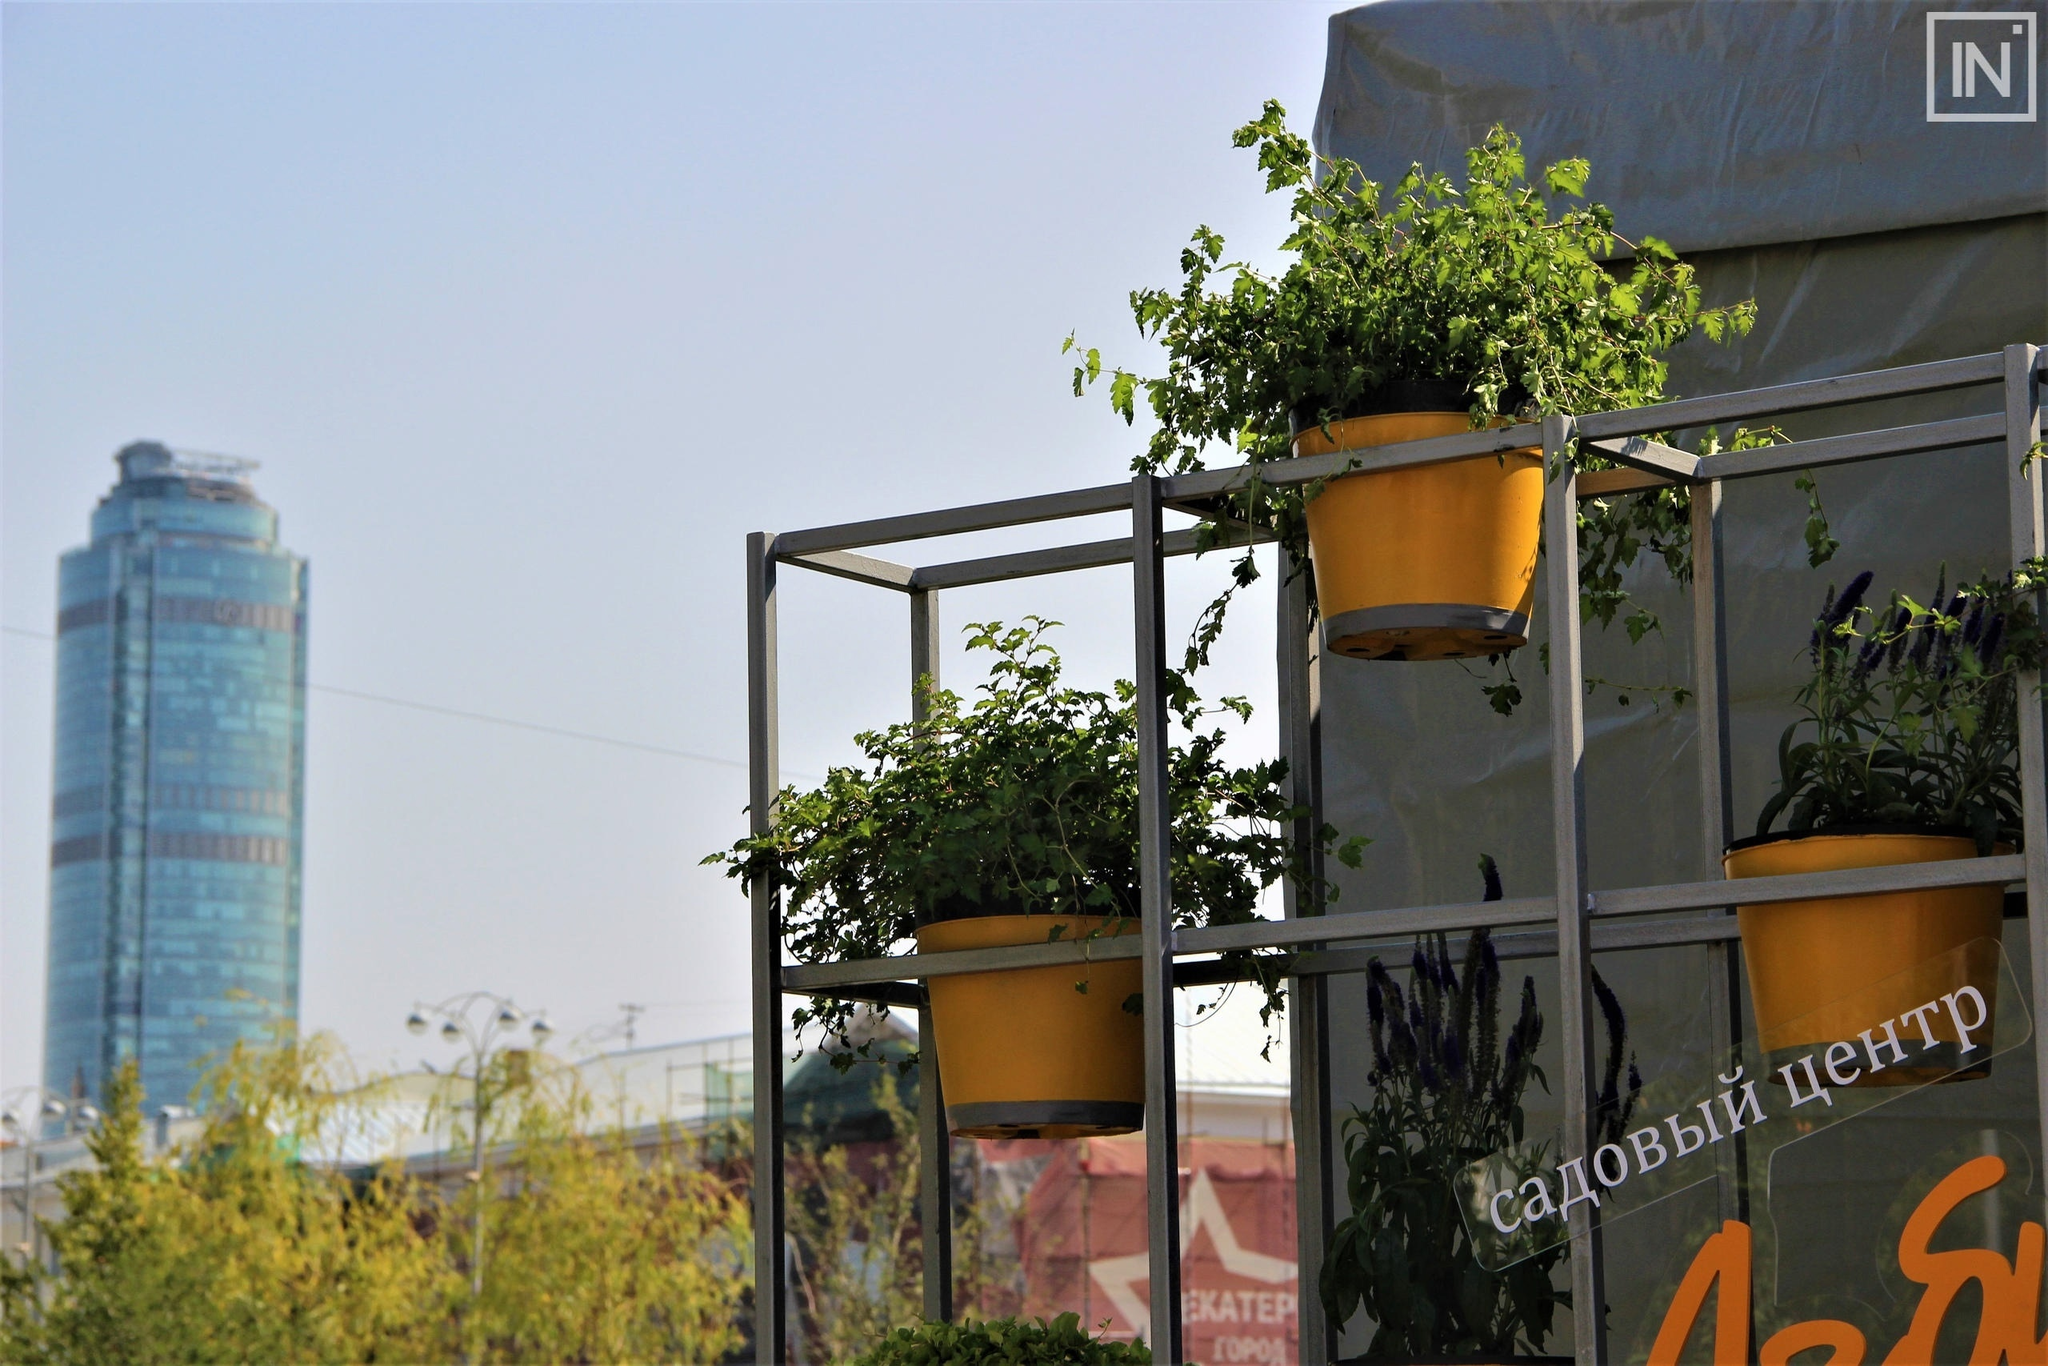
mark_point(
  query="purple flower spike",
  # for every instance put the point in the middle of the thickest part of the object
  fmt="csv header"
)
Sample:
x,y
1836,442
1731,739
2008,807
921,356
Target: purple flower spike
x,y
1851,599
1994,636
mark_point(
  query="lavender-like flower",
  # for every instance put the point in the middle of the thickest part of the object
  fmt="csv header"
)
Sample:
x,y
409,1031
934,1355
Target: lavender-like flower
x,y
1898,635
1489,873
1821,624
1851,599
1994,636
1924,632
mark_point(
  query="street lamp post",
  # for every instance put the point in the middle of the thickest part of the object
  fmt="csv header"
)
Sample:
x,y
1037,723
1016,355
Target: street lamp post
x,y
22,1113
484,1031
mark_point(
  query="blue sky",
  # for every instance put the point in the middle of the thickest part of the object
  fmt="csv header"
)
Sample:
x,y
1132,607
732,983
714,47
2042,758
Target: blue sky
x,y
530,313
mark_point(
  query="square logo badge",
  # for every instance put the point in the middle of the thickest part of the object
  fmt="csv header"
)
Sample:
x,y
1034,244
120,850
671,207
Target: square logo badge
x,y
1980,67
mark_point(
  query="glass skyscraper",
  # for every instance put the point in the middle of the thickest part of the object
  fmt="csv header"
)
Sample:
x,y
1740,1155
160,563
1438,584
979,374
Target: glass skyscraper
x,y
180,761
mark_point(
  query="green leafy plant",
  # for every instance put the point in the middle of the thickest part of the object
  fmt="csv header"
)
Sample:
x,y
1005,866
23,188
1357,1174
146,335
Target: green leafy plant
x,y
1447,1091
1025,802
1483,290
1912,711
999,1342
262,1241
856,1248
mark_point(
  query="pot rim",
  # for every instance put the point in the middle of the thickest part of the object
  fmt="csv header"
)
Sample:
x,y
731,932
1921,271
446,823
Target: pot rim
x,y
959,908
1404,396
1870,828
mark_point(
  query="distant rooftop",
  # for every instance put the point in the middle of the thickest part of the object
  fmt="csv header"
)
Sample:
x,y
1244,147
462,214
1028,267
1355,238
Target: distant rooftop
x,y
155,460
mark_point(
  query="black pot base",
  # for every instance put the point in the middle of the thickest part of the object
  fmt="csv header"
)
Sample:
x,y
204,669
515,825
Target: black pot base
x,y
1425,631
1045,1118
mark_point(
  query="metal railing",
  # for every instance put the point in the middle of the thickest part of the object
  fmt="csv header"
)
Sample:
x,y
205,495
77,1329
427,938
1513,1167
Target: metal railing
x,y
1574,922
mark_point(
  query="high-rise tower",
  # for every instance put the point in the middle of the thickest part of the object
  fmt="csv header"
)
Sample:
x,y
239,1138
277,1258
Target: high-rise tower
x,y
180,760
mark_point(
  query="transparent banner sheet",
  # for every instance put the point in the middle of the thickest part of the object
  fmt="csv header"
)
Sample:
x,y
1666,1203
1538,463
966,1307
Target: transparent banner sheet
x,y
1942,1021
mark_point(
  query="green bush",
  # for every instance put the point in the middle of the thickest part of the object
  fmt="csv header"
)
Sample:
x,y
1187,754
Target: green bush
x,y
1026,1342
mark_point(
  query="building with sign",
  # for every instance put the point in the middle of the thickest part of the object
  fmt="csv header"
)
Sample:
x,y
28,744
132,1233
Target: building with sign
x,y
179,777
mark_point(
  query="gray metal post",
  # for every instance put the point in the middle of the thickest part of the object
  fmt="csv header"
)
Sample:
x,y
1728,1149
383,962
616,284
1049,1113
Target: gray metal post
x,y
771,1288
1155,870
1308,1015
935,1143
2023,485
1568,821
1717,812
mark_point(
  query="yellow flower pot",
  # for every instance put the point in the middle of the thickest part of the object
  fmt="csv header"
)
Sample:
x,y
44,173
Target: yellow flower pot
x,y
1022,1053
1815,967
1433,562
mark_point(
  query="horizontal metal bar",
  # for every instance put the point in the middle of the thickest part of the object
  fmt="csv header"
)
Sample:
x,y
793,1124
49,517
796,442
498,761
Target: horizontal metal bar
x,y
1608,937
1654,457
1045,507
1269,934
908,995
830,978
860,568
1435,450
1802,396
1758,891
1025,564
805,977
1180,489
1843,450
1606,483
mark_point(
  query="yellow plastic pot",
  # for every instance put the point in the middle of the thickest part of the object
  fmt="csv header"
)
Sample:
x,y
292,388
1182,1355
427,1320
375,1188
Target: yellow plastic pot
x,y
1823,971
1022,1054
1434,562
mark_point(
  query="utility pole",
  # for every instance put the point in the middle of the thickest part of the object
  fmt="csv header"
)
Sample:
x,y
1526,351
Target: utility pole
x,y
485,1032
22,1114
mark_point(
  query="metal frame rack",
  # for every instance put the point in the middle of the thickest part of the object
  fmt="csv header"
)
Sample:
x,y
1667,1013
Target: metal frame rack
x,y
1572,923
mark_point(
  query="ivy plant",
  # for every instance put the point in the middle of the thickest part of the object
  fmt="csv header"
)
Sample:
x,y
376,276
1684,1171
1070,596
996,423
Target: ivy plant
x,y
1911,713
1004,1342
1025,802
1518,309
1447,1090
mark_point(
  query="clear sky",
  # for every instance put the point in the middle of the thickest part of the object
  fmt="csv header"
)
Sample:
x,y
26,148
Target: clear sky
x,y
530,313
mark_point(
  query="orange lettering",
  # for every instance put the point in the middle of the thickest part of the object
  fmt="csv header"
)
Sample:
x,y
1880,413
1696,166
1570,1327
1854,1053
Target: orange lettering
x,y
1845,1338
2009,1311
1946,1273
2006,1334
1723,1258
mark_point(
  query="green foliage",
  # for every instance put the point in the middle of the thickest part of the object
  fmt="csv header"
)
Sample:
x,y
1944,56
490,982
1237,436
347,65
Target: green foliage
x,y
236,1249
1000,1342
607,1251
857,1246
1027,801
1616,532
1483,289
1913,711
237,1253
1447,1091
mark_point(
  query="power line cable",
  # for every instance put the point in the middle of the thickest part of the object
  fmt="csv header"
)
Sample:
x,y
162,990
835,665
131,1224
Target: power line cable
x,y
486,717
